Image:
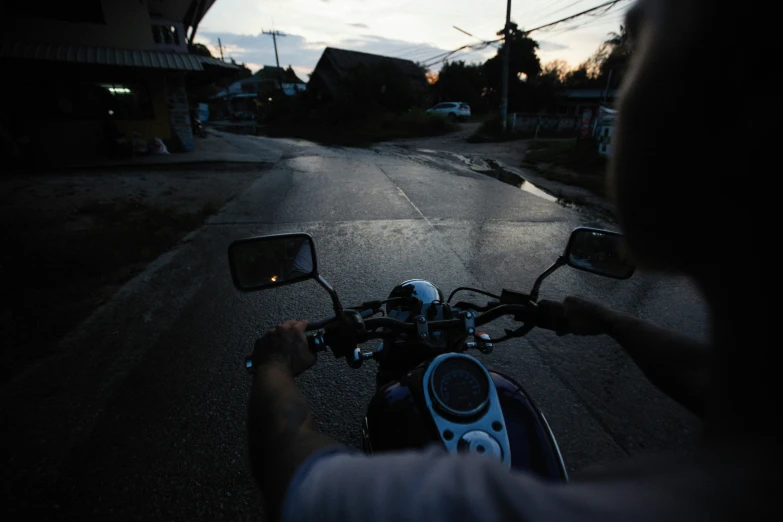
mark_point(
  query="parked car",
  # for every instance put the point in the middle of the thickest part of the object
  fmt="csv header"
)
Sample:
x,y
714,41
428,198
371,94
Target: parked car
x,y
452,110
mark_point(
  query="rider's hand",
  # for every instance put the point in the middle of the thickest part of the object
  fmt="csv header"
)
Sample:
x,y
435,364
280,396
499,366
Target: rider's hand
x,y
285,345
585,317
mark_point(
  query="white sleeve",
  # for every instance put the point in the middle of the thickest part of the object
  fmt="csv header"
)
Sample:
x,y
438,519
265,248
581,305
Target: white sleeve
x,y
433,486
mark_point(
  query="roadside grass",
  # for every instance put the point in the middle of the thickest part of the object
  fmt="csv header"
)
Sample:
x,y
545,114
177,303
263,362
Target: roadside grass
x,y
572,162
54,276
383,127
490,131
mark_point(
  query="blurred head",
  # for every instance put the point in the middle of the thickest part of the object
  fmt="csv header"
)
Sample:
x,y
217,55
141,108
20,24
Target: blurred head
x,y
688,134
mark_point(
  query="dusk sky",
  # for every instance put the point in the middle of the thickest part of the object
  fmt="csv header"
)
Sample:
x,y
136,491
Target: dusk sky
x,y
412,29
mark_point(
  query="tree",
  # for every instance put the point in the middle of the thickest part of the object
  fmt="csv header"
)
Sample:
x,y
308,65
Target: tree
x,y
199,49
523,60
553,72
245,71
617,55
458,81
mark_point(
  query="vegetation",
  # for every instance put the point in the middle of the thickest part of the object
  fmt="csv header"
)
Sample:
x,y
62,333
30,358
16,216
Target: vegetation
x,y
359,133
573,162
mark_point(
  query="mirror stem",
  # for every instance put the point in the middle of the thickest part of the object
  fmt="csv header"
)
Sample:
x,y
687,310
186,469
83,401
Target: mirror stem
x,y
338,308
534,293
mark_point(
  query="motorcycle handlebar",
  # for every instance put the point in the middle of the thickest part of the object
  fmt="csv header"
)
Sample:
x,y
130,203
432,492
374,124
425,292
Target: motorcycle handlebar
x,y
548,314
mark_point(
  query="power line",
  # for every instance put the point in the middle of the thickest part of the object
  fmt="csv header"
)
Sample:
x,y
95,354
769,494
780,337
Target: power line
x,y
472,36
539,17
600,18
607,5
445,56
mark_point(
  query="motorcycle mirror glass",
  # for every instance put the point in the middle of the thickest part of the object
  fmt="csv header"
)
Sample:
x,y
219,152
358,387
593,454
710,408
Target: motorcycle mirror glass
x,y
598,251
258,263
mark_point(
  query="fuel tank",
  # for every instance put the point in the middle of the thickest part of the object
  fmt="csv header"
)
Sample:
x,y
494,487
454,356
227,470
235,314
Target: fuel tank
x,y
396,420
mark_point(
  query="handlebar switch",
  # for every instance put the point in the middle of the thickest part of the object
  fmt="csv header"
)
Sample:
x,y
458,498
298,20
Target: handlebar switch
x,y
484,342
357,358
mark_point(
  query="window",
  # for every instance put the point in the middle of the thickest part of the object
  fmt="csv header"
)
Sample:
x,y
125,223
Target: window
x,y
165,34
464,107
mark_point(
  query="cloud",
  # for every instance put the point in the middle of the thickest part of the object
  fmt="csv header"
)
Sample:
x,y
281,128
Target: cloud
x,y
360,26
302,54
546,46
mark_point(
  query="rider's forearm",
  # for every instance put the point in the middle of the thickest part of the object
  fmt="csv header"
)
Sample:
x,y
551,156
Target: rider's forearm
x,y
281,435
675,363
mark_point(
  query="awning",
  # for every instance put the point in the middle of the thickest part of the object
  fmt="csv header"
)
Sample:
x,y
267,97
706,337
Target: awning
x,y
87,54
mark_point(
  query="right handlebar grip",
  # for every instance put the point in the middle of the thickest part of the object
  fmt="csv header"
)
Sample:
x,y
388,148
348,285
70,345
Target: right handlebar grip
x,y
316,342
551,315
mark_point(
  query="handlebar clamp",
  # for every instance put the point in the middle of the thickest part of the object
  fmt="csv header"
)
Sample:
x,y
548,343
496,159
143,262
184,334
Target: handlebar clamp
x,y
469,321
422,328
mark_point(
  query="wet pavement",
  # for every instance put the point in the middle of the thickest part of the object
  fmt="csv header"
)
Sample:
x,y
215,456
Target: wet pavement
x,y
143,413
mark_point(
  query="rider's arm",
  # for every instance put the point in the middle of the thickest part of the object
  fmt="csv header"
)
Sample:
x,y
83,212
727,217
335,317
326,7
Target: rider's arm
x,y
437,487
675,363
280,429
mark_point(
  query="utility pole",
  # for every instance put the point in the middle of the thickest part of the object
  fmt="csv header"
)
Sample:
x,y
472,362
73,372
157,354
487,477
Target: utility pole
x,y
506,52
608,81
275,34
220,45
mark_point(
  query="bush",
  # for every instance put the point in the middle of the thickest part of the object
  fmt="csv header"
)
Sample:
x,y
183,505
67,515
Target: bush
x,y
581,155
492,131
586,168
381,126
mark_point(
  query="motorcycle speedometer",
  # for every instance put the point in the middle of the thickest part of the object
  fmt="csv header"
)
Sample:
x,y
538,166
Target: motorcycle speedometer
x,y
460,386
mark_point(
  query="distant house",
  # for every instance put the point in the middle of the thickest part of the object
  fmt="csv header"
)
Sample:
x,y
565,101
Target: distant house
x,y
575,102
264,82
246,97
95,71
337,66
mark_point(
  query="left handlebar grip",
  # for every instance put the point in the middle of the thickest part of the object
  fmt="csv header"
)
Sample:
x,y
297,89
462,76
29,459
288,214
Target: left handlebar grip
x,y
316,342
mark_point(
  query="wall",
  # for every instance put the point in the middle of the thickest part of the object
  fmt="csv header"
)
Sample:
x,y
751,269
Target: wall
x,y
159,127
548,122
127,26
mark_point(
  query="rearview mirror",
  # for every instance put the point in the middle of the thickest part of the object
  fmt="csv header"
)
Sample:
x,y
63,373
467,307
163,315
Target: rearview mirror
x,y
599,251
264,262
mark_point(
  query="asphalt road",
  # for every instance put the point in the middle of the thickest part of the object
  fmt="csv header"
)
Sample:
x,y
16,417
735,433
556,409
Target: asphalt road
x,y
142,415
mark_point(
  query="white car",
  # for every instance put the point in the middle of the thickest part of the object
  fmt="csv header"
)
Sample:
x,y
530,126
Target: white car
x,y
452,110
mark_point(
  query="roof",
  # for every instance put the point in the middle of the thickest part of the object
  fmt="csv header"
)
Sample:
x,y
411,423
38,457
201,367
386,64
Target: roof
x,y
346,60
88,54
343,61
590,93
270,73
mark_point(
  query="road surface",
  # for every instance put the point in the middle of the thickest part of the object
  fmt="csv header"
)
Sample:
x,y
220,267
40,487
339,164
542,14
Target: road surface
x,y
143,413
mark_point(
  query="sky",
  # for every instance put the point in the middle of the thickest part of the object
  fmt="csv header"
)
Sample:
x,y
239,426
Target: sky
x,y
412,29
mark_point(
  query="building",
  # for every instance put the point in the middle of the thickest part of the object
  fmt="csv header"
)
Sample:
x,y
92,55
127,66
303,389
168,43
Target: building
x,y
89,76
337,68
575,102
249,95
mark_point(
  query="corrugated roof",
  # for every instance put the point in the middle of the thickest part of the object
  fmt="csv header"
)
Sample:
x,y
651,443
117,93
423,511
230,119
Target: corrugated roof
x,y
108,56
343,61
346,60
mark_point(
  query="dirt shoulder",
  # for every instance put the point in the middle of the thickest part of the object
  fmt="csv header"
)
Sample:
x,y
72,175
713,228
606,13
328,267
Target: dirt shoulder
x,y
72,239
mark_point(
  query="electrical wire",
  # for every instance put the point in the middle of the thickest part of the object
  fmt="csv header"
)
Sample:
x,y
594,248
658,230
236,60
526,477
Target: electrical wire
x,y
605,5
541,17
445,56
